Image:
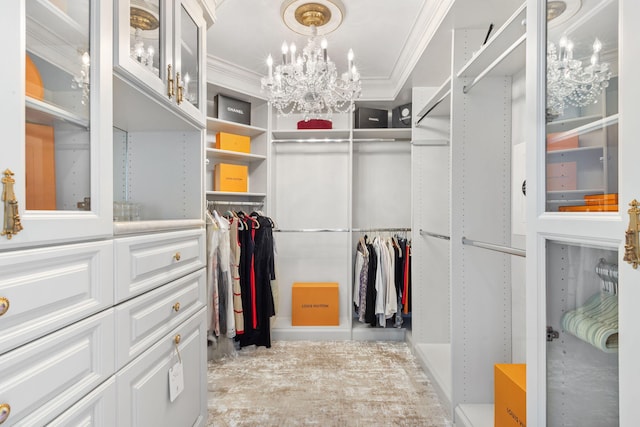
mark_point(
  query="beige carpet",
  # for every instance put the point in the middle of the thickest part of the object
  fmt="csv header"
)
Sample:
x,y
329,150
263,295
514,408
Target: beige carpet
x,y
303,383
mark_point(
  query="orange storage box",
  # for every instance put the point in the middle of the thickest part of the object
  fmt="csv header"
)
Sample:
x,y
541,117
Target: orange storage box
x,y
314,304
510,395
232,178
233,142
557,141
601,199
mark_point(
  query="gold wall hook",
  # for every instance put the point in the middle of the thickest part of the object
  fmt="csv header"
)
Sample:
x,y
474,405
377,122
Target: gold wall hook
x,y
11,224
632,241
170,82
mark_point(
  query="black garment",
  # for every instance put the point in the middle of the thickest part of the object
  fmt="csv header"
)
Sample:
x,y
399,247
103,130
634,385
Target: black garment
x,y
259,296
370,310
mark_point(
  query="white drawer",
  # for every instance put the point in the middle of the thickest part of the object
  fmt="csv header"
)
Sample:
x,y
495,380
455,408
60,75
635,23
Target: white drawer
x,y
143,385
49,288
146,262
42,379
97,409
142,321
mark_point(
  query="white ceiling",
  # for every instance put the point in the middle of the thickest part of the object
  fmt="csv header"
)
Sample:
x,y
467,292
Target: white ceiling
x,y
397,43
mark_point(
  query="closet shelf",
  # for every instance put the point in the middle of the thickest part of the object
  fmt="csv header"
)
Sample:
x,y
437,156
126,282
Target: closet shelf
x,y
219,125
568,124
439,105
589,127
233,156
232,193
384,134
301,135
575,150
504,52
43,113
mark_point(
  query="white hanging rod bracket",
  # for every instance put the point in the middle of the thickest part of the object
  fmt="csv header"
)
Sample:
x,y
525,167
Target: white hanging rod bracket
x,y
467,88
436,235
493,247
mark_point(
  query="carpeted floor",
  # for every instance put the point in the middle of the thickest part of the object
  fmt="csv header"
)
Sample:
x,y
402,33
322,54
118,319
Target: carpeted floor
x,y
303,383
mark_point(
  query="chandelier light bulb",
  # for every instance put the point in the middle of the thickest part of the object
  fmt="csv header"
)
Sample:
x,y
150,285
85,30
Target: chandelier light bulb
x,y
597,46
292,48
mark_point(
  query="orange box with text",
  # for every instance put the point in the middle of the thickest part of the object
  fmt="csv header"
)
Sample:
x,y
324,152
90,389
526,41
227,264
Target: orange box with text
x,y
315,304
233,142
231,178
510,395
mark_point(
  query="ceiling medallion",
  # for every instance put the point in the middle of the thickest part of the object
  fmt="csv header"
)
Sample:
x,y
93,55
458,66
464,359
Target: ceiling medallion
x,y
300,15
313,14
142,20
555,9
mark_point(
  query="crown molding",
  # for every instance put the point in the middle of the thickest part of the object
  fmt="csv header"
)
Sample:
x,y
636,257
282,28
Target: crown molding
x,y
230,75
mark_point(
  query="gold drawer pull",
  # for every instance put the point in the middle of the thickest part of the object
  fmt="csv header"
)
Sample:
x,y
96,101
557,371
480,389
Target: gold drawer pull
x,y
177,256
5,410
11,224
176,307
4,305
176,339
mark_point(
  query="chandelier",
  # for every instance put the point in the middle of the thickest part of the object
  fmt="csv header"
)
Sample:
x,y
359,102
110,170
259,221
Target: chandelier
x,y
308,82
568,82
141,20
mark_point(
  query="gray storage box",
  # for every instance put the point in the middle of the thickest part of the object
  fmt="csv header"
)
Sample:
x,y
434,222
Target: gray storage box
x,y
233,110
371,118
401,116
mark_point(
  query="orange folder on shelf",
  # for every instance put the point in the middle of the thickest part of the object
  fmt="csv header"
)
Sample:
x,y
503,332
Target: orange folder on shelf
x,y
601,199
589,208
314,304
233,142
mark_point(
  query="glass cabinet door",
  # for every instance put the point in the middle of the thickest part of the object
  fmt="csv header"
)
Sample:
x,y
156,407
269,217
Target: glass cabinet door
x,y
189,54
582,343
582,106
52,157
144,42
58,99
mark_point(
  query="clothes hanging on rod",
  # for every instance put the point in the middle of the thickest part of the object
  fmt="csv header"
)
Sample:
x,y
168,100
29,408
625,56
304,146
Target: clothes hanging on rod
x,y
596,322
240,263
381,287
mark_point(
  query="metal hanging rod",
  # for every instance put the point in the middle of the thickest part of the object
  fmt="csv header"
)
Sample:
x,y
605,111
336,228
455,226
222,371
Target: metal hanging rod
x,y
433,106
231,203
436,235
493,247
313,230
371,230
381,140
313,140
467,88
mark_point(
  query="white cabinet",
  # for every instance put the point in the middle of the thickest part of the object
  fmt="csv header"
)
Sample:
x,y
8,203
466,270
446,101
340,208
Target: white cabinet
x,y
145,262
38,381
143,386
143,320
45,289
160,47
581,166
61,159
97,408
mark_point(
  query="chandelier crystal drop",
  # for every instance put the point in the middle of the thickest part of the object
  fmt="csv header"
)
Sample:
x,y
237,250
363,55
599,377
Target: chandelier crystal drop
x,y
81,80
568,82
308,82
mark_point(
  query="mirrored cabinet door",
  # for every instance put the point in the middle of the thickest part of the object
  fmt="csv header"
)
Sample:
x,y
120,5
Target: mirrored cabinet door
x,y
582,106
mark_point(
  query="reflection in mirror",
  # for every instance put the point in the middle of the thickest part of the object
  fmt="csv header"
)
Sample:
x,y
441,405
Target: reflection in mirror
x,y
144,19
